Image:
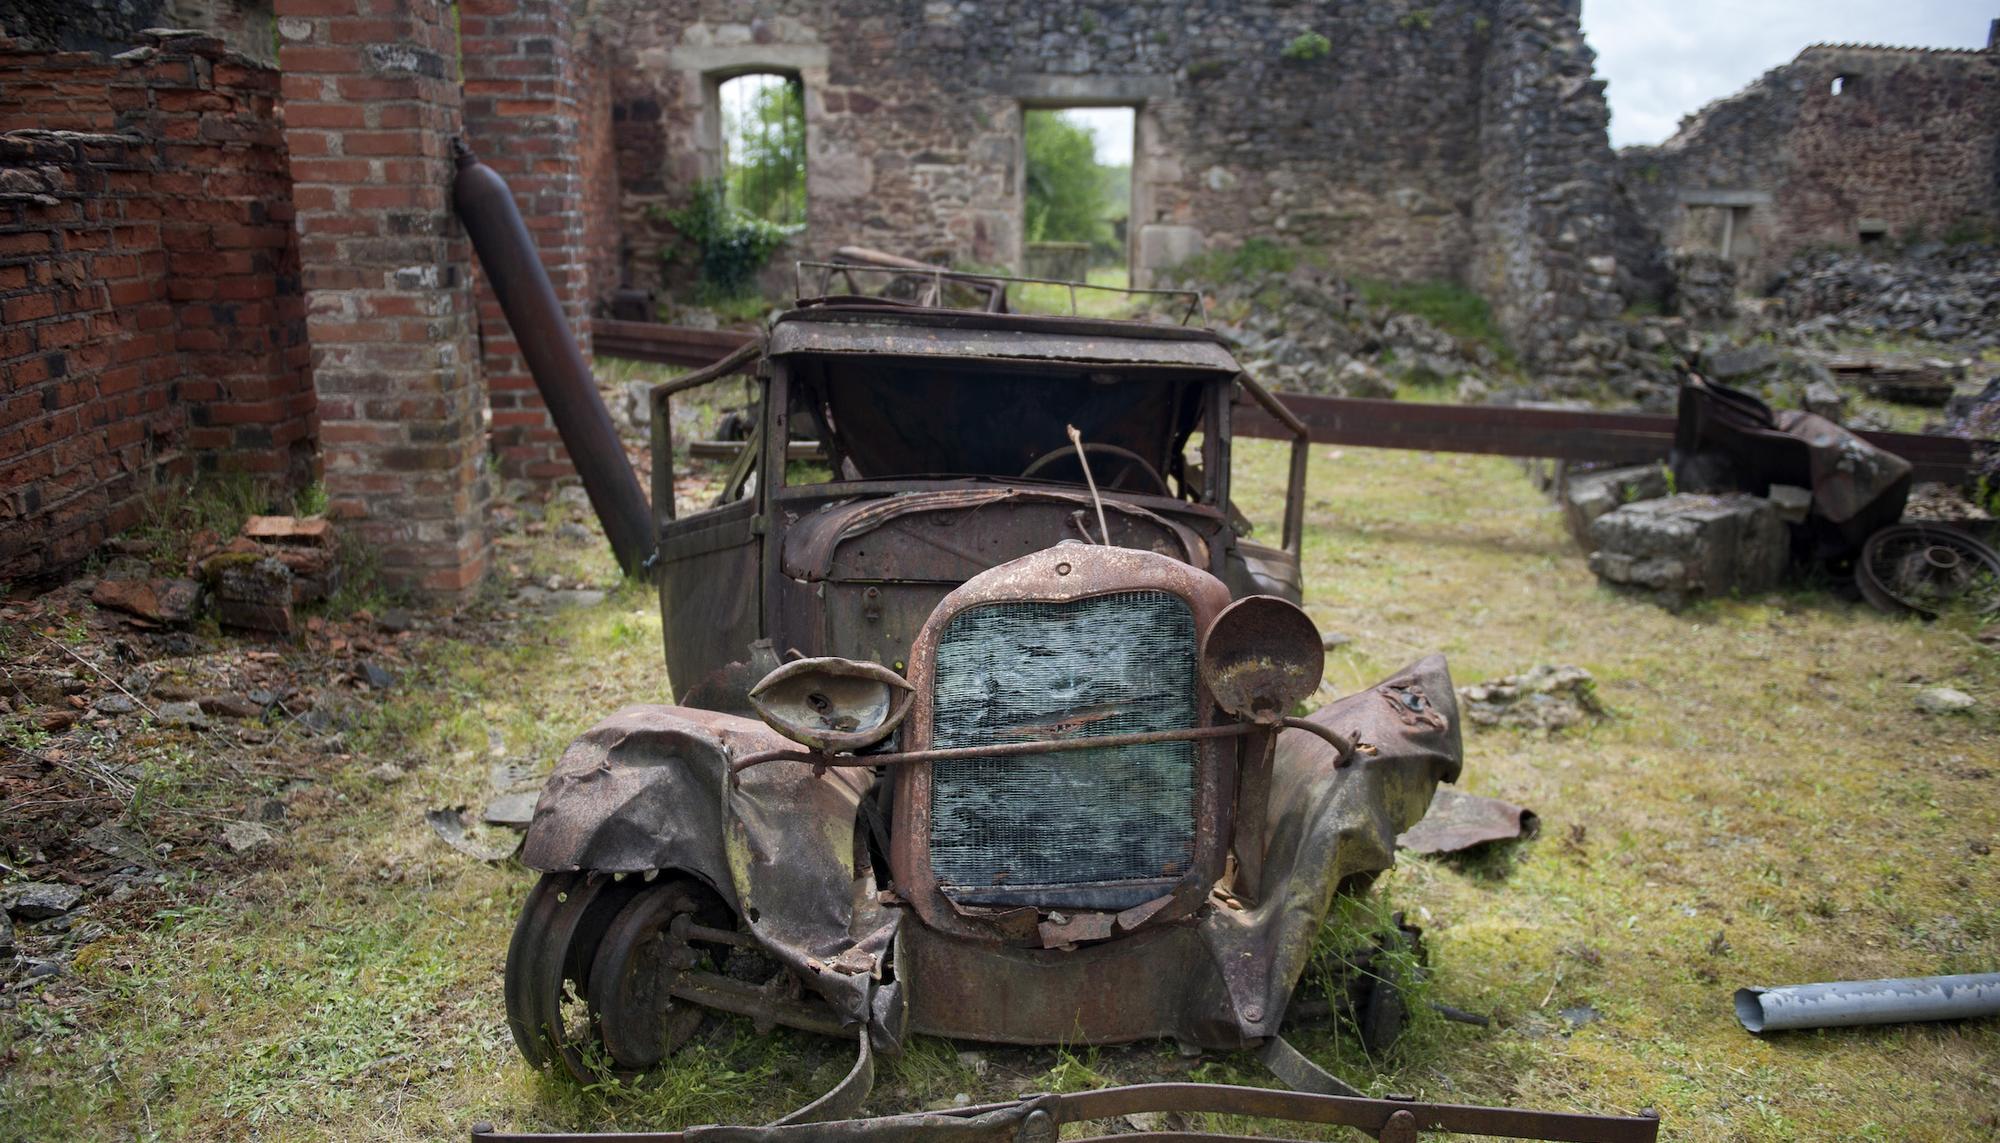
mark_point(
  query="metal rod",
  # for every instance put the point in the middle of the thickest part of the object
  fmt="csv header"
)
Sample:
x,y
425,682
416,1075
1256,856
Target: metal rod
x,y
1846,1003
997,750
514,268
1083,461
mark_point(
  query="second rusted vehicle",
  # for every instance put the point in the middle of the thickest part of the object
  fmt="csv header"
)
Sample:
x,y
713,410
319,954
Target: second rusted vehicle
x,y
986,725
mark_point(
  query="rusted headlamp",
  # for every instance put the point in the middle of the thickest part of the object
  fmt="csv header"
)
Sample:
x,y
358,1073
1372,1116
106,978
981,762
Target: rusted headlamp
x,y
833,704
1261,657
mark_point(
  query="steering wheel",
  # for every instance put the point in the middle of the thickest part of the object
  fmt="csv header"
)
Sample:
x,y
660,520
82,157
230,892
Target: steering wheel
x,y
1132,461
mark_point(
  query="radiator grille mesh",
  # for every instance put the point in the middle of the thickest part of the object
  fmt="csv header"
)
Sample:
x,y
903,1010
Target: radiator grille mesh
x,y
1010,672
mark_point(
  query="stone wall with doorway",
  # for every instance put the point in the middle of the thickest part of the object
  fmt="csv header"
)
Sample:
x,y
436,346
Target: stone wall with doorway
x,y
1365,129
1844,145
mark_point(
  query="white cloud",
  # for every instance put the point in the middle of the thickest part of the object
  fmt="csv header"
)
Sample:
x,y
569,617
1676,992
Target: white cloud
x,y
1665,60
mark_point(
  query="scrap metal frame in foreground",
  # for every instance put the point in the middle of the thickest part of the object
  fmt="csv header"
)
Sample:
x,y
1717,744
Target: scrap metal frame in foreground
x,y
1041,1118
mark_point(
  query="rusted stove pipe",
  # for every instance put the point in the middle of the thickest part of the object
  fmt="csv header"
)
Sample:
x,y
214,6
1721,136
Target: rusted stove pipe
x,y
514,266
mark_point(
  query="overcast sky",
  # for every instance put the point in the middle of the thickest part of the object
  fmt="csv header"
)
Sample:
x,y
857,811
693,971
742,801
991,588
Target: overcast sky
x,y
1666,59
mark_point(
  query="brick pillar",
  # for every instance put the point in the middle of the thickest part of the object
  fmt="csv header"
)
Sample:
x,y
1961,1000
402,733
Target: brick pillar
x,y
523,118
371,103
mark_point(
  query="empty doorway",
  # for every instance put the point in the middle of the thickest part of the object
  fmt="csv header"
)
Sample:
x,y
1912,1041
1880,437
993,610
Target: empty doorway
x,y
1077,193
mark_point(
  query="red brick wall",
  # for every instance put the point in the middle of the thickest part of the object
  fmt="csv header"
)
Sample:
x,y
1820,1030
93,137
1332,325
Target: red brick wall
x,y
522,117
596,146
148,285
371,101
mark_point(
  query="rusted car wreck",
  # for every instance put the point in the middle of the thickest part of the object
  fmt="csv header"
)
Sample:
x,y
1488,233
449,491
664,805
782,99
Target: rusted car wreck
x,y
985,731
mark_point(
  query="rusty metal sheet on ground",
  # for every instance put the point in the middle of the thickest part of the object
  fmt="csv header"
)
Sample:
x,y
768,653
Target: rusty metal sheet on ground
x,y
1459,821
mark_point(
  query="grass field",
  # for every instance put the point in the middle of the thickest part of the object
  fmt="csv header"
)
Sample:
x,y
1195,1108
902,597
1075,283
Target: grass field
x,y
1765,806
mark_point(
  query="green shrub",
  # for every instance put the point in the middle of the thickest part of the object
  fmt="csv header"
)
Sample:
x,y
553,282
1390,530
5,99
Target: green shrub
x,y
1307,47
730,246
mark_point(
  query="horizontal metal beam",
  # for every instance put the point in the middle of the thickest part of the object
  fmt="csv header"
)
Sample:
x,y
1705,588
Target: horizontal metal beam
x,y
1495,430
1564,434
668,344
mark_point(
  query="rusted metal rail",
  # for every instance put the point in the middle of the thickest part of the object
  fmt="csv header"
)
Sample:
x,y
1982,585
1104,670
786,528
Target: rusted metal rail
x,y
1563,434
1496,430
1040,1119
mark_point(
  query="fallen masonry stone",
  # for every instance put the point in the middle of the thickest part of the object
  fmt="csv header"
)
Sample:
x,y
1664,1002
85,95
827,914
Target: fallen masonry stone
x,y
1588,495
6,936
1690,544
377,676
242,837
1792,502
515,810
1730,362
251,592
157,600
179,714
1546,697
1944,700
119,843
114,704
395,620
40,900
229,706
1823,399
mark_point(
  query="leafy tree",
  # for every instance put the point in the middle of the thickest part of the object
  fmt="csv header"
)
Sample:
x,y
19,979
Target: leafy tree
x,y
1065,188
764,148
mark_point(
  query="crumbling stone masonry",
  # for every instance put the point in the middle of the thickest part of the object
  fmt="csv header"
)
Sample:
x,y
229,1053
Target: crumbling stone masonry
x,y
1461,140
1846,145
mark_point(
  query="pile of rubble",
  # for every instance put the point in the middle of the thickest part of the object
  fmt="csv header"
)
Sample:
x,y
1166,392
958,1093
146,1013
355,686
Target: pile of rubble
x,y
1941,294
1308,331
252,582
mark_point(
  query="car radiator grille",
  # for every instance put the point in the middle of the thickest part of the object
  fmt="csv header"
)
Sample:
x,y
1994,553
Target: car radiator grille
x,y
1091,828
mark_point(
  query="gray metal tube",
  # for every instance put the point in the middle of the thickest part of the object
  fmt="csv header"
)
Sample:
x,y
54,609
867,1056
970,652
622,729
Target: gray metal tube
x,y
514,267
1848,1002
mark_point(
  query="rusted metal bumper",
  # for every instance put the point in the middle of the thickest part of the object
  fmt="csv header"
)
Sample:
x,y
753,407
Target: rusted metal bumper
x,y
1041,1118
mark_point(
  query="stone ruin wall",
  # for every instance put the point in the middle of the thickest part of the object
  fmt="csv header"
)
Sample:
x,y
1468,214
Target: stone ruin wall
x,y
1461,141
149,285
1910,144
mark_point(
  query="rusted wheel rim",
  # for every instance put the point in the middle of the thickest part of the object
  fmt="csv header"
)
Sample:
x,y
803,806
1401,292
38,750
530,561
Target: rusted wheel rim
x,y
639,1022
548,966
1926,569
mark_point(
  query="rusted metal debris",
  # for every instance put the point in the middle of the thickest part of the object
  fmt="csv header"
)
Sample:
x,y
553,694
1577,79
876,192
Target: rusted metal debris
x,y
1041,1119
1458,821
1727,440
1924,383
1928,569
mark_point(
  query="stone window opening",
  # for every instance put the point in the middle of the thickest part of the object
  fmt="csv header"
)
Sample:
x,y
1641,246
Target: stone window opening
x,y
1839,85
1077,192
1870,231
760,144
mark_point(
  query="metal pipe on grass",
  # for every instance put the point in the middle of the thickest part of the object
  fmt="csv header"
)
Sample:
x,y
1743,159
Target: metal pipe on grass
x,y
1846,1003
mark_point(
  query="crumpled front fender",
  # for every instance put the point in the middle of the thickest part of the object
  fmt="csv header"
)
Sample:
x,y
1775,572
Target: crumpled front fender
x,y
643,790
649,788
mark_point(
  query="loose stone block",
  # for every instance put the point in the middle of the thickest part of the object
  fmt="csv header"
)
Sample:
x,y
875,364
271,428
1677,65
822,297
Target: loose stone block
x,y
1589,495
1691,545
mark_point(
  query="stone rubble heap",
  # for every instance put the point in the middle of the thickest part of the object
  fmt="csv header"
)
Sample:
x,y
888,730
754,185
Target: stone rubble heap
x,y
1947,294
1307,331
